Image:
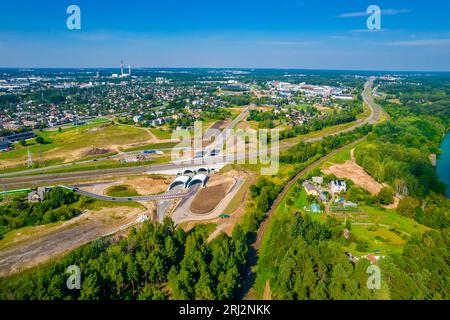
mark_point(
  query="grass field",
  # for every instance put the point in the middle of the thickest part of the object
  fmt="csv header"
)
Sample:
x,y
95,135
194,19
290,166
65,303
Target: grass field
x,y
96,205
381,239
162,134
341,157
73,143
152,146
382,229
301,201
122,191
9,238
240,196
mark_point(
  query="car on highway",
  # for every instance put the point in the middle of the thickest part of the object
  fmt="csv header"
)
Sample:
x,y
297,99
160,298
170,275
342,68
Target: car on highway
x,y
214,153
200,154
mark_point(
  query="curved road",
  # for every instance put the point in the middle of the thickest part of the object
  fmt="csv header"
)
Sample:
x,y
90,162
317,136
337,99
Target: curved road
x,y
165,196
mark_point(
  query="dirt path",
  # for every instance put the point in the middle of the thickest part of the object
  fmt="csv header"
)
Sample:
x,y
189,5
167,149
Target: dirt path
x,y
267,294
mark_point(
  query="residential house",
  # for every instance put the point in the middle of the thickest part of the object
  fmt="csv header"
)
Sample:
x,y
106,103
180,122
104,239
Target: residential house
x,y
38,195
337,186
310,189
4,143
317,180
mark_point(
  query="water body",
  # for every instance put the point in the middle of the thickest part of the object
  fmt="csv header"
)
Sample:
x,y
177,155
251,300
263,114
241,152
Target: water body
x,y
443,163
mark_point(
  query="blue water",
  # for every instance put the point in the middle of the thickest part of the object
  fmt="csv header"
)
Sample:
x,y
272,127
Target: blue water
x,y
443,163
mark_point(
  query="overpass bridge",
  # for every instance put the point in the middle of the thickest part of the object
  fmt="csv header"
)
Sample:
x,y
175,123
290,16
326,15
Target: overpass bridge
x,y
159,197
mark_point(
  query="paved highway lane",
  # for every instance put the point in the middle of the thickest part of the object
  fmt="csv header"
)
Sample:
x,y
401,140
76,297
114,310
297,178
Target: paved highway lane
x,y
164,196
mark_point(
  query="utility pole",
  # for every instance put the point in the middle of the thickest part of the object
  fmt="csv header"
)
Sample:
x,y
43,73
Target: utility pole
x,y
40,156
30,159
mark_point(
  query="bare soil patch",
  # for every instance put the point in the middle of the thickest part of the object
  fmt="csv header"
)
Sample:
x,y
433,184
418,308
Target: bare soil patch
x,y
208,198
96,152
351,170
98,128
148,185
219,124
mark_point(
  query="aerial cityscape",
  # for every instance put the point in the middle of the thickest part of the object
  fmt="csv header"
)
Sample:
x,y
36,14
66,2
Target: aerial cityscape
x,y
151,160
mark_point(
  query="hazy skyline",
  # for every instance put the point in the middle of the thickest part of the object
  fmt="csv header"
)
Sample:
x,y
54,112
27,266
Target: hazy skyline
x,y
242,34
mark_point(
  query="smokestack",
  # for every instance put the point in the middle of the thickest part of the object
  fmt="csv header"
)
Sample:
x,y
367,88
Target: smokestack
x,y
129,69
121,67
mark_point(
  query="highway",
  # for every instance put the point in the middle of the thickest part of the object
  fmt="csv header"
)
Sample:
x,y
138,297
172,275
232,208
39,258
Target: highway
x,y
43,179
66,165
222,137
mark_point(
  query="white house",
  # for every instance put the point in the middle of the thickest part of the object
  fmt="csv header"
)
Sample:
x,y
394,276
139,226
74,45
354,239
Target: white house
x,y
137,119
337,186
318,180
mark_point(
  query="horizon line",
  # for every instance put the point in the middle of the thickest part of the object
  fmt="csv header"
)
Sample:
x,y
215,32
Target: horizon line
x,y
234,68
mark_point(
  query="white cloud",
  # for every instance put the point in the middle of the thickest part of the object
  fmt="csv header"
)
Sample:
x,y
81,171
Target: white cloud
x,y
368,30
393,12
388,12
420,43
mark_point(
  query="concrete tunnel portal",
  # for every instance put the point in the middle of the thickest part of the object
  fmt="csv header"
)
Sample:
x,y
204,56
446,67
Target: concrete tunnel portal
x,y
184,180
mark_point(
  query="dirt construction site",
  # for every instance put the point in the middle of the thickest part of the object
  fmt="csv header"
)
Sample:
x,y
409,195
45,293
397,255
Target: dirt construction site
x,y
31,246
351,170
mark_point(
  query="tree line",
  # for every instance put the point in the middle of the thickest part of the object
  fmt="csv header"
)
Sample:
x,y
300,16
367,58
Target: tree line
x,y
56,206
397,153
317,124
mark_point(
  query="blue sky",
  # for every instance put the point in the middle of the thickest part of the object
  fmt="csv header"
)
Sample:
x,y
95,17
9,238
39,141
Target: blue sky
x,y
314,34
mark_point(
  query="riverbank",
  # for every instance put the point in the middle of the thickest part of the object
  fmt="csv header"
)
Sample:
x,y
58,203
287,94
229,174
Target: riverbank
x,y
443,162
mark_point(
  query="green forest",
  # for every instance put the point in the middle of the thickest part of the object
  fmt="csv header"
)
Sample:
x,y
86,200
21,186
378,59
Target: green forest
x,y
317,124
150,263
308,262
55,207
